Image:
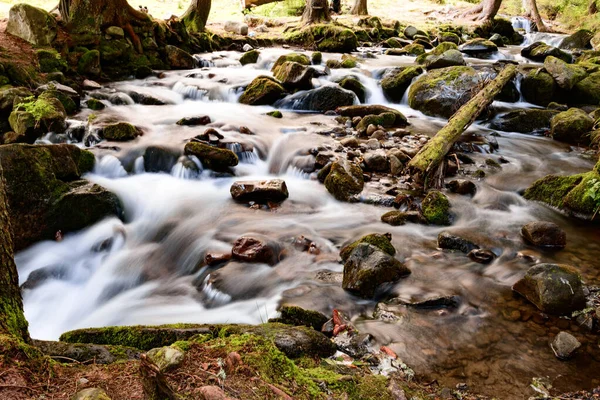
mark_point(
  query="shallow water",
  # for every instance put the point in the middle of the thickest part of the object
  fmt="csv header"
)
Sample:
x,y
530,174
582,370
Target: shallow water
x,y
149,270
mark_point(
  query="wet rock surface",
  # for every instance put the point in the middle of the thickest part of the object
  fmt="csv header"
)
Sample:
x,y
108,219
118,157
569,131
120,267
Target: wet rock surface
x,y
260,191
544,234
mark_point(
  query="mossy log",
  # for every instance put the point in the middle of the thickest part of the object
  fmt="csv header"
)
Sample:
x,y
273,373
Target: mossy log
x,y
425,163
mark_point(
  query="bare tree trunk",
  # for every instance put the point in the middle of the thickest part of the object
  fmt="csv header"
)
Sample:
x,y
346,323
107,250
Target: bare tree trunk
x,y
316,11
532,10
197,14
592,7
360,7
490,9
12,319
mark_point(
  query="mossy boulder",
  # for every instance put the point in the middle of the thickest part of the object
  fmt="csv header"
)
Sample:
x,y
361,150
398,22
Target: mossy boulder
x,y
95,104
8,95
449,37
213,158
51,61
572,126
32,118
121,132
178,58
166,358
386,120
316,58
442,92
344,180
450,58
553,288
414,49
298,316
565,75
70,105
328,38
526,120
394,218
324,98
586,91
250,57
436,208
24,126
89,63
382,241
539,51
32,24
364,110
367,268
354,85
538,87
437,51
578,41
291,57
263,90
45,192
478,46
293,75
396,81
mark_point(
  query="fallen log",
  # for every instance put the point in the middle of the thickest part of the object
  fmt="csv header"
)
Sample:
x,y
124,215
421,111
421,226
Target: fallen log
x,y
424,165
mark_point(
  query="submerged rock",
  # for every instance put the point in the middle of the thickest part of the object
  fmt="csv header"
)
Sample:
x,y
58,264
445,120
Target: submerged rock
x,y
274,190
344,180
367,268
160,159
572,126
565,345
325,98
194,121
544,234
553,288
263,90
449,241
254,250
212,157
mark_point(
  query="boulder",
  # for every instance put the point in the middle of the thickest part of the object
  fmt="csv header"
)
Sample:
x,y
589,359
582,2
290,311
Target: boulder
x,y
298,316
213,158
32,24
396,81
450,58
572,126
538,87
355,86
291,57
254,250
538,51
166,358
70,104
262,192
195,121
115,32
578,41
239,28
370,109
462,186
382,241
544,234
121,132
443,91
565,345
478,46
526,120
293,75
325,98
94,104
328,38
178,58
249,57
586,91
91,394
344,180
565,75
367,268
449,241
436,208
262,90
160,158
376,161
437,51
51,61
8,95
449,37
33,118
45,194
553,288
84,352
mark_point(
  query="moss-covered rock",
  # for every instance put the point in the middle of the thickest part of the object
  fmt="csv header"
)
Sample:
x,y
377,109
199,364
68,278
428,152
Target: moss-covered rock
x,y
539,51
396,81
24,126
478,46
211,157
578,40
317,58
166,358
364,110
526,120
32,24
8,95
586,91
344,180
95,104
178,58
565,75
70,106
293,75
382,241
263,90
290,57
89,63
324,98
298,316
450,58
326,37
572,126
436,208
449,37
538,87
34,117
121,132
354,85
394,218
50,61
554,289
250,57
386,120
91,394
443,91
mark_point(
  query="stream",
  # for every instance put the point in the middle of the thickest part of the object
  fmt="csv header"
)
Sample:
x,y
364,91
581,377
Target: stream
x,y
147,270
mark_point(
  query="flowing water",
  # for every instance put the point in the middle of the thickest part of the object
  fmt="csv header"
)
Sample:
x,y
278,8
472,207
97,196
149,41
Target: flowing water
x,y
148,269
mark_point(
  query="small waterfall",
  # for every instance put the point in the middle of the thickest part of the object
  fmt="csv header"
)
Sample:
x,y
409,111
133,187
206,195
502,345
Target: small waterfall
x,y
189,92
521,23
551,39
138,166
187,167
110,167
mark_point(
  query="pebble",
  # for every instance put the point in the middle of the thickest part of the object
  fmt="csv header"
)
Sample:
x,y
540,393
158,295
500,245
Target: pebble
x,y
565,345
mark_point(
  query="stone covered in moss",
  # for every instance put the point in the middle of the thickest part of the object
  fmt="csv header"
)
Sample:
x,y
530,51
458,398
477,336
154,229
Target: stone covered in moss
x,y
386,120
344,180
539,51
249,57
382,241
32,24
449,37
121,132
95,104
317,58
275,114
298,316
326,37
526,120
586,91
565,75
554,289
324,98
478,46
394,218
538,87
436,208
263,90
354,85
89,63
572,126
70,106
450,58
33,117
293,75
212,157
178,58
50,61
443,91
291,57
166,358
396,81
91,394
